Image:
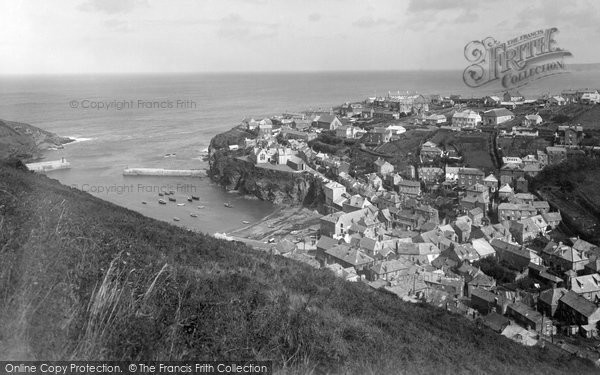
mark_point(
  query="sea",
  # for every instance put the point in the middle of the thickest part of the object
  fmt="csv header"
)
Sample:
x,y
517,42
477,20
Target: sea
x,y
168,120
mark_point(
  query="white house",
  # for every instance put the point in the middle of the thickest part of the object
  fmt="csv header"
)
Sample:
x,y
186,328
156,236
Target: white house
x,y
466,119
497,116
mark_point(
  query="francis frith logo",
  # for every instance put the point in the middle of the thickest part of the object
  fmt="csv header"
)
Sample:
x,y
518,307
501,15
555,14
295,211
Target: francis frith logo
x,y
516,62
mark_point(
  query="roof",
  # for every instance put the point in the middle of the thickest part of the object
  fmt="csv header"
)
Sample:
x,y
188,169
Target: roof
x,y
388,266
552,216
326,242
580,304
473,171
328,119
483,247
551,296
490,178
526,311
586,284
495,321
351,256
498,112
483,294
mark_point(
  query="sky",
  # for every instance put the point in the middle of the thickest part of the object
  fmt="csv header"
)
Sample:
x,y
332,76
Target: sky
x,y
172,36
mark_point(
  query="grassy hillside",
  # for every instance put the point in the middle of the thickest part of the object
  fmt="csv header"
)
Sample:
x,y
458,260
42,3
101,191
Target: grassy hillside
x,y
81,278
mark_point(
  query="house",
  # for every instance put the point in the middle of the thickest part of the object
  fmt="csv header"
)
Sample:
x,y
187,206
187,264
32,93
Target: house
x,y
296,163
435,119
420,252
470,176
389,269
532,120
529,318
431,174
480,281
451,173
379,135
556,154
512,211
548,300
506,192
383,167
348,257
553,219
409,188
466,120
355,203
462,253
483,300
495,322
337,225
524,230
492,100
259,155
483,248
577,310
462,227
557,100
570,135
513,96
562,258
491,182
476,196
511,255
265,127
587,286
588,96
497,116
430,151
334,192
327,122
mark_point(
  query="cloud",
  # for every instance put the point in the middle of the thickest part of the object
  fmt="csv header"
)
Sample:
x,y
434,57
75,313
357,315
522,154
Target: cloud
x,y
314,17
111,6
235,27
369,21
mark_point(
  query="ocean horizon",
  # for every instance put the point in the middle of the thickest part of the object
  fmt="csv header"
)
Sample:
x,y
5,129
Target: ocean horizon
x,y
202,105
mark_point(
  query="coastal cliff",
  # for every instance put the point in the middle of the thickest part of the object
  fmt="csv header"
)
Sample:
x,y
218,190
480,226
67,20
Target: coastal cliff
x,y
230,170
26,142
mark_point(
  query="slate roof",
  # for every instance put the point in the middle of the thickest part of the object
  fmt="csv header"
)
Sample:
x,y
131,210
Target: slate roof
x,y
580,304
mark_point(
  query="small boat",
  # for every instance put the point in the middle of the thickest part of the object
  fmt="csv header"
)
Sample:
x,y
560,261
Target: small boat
x,y
161,195
176,219
171,192
201,207
172,199
193,215
195,197
162,201
228,205
181,204
189,199
245,222
144,202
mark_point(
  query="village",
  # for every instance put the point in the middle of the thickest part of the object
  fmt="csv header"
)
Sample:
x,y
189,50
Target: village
x,y
429,198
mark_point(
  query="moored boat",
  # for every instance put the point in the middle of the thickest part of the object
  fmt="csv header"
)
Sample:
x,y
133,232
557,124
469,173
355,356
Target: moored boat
x,y
162,201
195,197
176,219
228,205
181,204
172,199
193,215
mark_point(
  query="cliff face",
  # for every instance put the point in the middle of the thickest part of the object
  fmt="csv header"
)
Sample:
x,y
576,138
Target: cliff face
x,y
269,185
25,141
